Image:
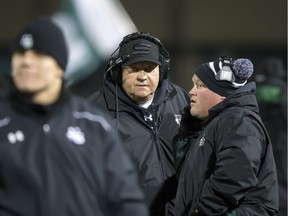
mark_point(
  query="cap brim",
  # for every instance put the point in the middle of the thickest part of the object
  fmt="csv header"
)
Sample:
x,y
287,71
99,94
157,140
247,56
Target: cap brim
x,y
141,59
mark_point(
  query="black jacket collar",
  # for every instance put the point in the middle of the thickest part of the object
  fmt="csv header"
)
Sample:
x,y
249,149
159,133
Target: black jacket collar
x,y
23,103
242,97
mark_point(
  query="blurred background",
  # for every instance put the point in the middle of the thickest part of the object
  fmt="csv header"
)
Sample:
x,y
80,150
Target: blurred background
x,y
193,32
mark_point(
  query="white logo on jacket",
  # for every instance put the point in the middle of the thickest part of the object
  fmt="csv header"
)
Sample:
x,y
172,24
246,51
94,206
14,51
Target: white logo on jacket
x,y
15,137
202,140
150,117
75,135
177,119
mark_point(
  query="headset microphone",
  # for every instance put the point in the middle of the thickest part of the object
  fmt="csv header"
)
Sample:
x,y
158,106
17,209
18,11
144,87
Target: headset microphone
x,y
121,59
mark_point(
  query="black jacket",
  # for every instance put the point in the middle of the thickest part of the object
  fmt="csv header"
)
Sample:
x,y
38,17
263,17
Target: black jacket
x,y
149,144
229,169
275,119
63,159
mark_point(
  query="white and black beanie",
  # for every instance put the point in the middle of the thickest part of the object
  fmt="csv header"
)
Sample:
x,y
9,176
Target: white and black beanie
x,y
225,75
43,35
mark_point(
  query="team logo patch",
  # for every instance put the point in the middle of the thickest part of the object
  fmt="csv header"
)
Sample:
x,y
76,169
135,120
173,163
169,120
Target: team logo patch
x,y
75,135
177,119
202,140
148,117
27,41
141,48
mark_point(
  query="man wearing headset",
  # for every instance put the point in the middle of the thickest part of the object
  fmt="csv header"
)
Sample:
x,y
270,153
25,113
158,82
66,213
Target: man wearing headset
x,y
146,108
228,168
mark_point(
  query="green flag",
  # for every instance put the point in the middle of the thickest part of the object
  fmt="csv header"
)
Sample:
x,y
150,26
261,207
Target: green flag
x,y
93,29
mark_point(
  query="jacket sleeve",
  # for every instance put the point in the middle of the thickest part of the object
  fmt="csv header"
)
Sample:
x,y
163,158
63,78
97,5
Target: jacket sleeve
x,y
123,191
238,146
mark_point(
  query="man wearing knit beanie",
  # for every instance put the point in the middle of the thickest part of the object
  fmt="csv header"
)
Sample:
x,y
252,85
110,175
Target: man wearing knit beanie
x,y
229,163
45,36
59,154
39,59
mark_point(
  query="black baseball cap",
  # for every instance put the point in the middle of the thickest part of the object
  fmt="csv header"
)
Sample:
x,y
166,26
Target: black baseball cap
x,y
138,50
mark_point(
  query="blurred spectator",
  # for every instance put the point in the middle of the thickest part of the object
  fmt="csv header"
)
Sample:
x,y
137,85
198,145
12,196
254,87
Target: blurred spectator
x,y
271,93
59,155
4,84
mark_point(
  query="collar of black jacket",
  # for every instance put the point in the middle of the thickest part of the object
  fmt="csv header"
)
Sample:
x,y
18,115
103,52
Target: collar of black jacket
x,y
242,97
23,103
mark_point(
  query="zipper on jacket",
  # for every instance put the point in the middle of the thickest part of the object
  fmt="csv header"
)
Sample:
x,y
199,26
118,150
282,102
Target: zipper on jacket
x,y
157,142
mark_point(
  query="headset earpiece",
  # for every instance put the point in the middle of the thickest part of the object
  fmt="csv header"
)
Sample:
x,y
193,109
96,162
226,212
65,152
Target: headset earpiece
x,y
116,71
111,70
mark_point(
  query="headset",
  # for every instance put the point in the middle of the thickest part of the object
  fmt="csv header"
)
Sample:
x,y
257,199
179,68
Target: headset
x,y
226,72
113,68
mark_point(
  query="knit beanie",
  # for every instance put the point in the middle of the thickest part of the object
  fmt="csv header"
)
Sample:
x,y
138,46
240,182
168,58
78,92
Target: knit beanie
x,y
225,75
43,35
